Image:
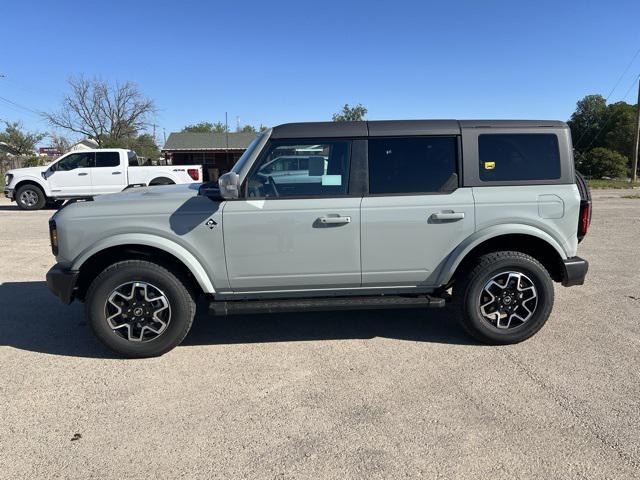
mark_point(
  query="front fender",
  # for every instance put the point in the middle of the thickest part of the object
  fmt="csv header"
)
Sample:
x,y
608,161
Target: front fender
x,y
178,251
33,179
453,260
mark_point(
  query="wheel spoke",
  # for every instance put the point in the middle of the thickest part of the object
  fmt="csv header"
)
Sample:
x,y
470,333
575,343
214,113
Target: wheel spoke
x,y
508,300
138,311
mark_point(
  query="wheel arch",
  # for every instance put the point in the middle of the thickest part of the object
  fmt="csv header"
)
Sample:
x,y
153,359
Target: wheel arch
x,y
32,181
168,254
164,179
529,240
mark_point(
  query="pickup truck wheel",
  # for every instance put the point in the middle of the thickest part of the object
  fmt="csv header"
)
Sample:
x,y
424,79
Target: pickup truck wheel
x,y
139,309
30,197
505,298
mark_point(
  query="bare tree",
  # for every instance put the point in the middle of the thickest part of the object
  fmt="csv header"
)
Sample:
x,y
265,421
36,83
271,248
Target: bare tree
x,y
60,143
101,110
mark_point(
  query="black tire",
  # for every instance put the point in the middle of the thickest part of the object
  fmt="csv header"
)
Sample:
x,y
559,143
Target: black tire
x,y
161,181
30,197
469,286
180,300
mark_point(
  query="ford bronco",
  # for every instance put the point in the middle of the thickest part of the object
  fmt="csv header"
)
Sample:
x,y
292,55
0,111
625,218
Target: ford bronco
x,y
482,215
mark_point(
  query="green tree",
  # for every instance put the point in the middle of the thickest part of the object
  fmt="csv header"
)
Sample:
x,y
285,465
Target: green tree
x,y
588,119
144,145
350,114
248,129
23,142
602,162
202,127
620,128
206,127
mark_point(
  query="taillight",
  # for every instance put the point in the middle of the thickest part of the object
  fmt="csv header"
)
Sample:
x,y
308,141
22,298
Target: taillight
x,y
194,173
584,220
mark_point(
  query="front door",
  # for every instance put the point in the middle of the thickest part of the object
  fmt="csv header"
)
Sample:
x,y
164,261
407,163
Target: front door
x,y
295,228
71,175
415,214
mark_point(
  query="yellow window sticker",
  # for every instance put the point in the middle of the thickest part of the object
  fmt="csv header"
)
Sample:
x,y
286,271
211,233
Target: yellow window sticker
x,y
489,165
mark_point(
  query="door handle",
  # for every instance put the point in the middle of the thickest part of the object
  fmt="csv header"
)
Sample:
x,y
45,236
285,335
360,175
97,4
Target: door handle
x,y
335,220
82,174
451,216
116,173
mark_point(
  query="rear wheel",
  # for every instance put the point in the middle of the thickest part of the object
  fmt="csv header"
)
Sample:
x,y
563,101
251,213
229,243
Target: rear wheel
x,y
30,197
506,297
139,309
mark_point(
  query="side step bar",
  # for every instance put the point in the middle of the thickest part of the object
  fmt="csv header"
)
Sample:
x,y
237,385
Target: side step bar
x,y
320,304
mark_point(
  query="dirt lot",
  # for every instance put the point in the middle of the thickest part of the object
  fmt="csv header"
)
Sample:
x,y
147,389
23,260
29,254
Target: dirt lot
x,y
350,395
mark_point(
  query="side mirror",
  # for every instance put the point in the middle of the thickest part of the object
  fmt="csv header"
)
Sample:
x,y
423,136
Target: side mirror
x,y
229,185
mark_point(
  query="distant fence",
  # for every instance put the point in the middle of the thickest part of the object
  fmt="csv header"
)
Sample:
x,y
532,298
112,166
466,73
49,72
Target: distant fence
x,y
20,161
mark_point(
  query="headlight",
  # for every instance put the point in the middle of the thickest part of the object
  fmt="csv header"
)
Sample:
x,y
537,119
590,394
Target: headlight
x,y
53,235
7,179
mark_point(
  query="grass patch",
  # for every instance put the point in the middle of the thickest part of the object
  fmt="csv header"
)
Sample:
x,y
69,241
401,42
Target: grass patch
x,y
614,183
635,195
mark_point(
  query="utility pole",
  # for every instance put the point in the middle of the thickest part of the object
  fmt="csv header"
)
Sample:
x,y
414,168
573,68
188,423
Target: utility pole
x,y
226,132
636,142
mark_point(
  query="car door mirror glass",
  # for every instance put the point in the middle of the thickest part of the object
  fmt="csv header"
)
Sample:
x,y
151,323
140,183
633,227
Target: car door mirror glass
x,y
229,185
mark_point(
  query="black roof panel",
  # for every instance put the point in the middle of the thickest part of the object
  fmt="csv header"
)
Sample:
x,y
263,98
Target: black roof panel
x,y
382,128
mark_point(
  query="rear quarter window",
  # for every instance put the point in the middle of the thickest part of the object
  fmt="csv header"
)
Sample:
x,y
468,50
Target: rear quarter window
x,y
522,156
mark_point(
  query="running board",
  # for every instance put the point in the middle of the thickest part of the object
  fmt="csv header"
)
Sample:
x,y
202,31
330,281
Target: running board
x,y
320,304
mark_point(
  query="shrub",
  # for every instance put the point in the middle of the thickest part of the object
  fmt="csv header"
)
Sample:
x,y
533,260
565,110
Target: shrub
x,y
33,162
602,162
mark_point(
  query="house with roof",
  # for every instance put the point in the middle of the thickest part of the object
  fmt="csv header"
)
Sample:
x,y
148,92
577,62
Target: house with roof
x,y
216,152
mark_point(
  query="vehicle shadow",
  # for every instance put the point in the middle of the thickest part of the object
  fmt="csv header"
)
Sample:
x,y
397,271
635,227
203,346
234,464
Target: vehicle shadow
x,y
32,319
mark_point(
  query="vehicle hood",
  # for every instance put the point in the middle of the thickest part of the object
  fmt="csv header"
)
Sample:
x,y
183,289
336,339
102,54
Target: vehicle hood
x,y
143,201
28,171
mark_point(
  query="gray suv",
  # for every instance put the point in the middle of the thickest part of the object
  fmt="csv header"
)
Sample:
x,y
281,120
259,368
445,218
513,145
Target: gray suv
x,y
482,215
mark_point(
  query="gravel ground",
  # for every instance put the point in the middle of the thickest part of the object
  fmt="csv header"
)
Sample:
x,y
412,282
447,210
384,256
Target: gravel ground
x,y
326,395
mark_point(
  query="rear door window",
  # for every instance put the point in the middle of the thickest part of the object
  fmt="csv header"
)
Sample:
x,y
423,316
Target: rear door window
x,y
522,156
107,159
412,165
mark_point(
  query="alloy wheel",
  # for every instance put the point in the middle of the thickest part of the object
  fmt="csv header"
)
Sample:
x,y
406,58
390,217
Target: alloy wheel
x,y
138,311
508,300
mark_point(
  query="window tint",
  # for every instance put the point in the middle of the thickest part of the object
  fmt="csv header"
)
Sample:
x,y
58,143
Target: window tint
x,y
76,160
107,159
412,165
302,168
527,156
133,159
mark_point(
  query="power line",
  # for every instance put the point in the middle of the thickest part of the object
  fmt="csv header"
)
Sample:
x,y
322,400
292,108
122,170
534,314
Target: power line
x,y
635,55
19,106
623,74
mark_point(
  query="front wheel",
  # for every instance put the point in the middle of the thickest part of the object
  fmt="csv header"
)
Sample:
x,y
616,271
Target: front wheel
x,y
139,309
30,197
505,298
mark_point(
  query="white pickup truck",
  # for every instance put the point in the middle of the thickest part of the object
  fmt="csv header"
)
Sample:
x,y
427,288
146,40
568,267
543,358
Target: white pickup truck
x,y
88,173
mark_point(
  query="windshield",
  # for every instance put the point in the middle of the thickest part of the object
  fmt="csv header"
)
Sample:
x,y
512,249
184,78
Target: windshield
x,y
237,168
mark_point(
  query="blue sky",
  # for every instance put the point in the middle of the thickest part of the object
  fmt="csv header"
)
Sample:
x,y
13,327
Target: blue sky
x,y
276,62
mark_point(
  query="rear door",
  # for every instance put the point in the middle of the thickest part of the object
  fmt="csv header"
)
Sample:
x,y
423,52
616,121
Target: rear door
x,y
415,213
71,175
108,174
297,227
